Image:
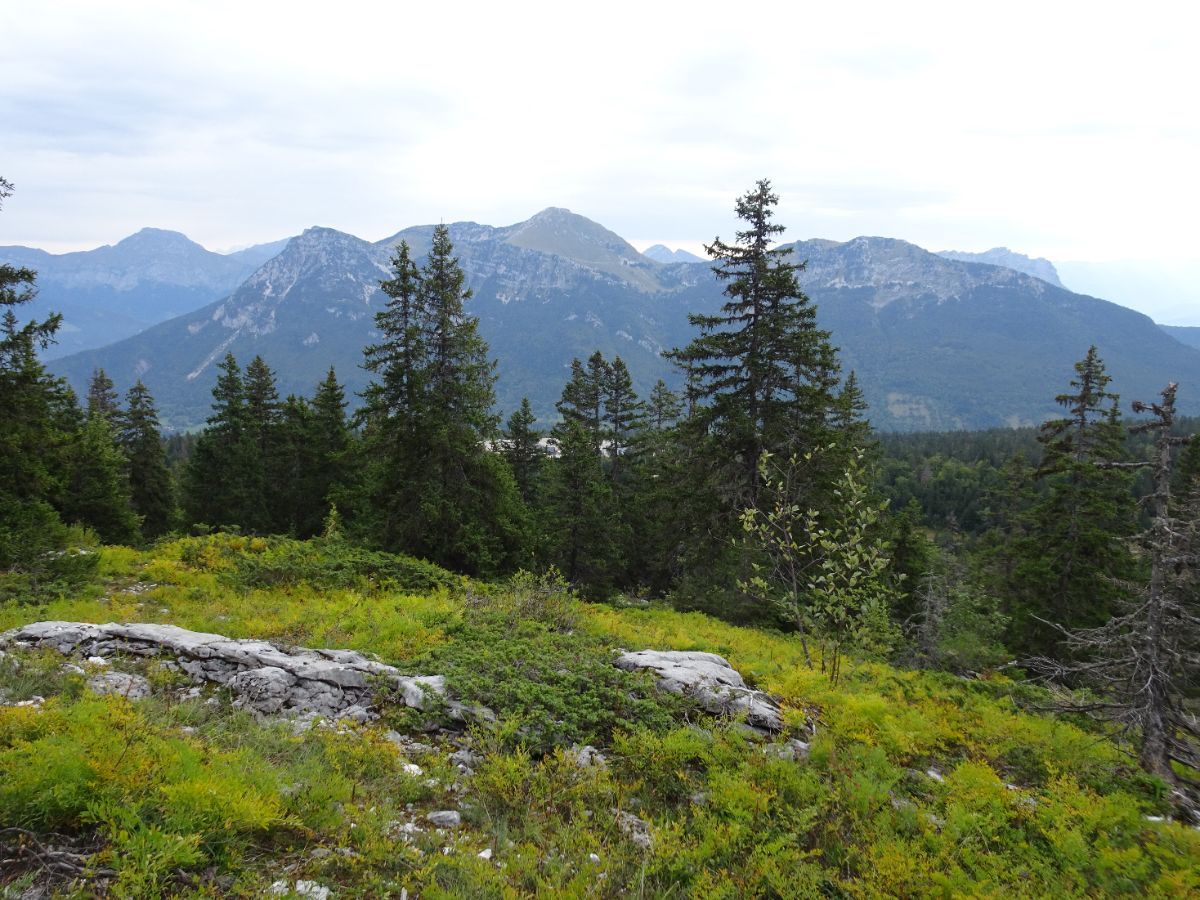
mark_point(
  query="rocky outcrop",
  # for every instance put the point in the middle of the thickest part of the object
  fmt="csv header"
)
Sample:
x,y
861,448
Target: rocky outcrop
x,y
262,676
711,681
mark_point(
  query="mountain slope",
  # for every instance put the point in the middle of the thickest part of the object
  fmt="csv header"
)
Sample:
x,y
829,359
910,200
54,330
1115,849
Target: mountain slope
x,y
936,343
115,291
1002,256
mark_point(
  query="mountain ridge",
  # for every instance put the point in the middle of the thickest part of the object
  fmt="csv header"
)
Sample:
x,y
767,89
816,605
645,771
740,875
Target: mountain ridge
x,y
117,290
936,342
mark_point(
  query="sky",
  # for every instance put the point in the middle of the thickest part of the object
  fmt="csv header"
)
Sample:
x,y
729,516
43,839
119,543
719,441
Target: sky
x,y
1063,130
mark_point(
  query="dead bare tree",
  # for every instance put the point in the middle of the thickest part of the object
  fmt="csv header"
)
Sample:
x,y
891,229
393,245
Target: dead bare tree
x,y
1143,664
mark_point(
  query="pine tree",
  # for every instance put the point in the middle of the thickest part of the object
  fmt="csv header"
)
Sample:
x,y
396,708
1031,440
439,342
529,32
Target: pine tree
x,y
224,478
623,417
102,397
586,535
151,489
1143,662
298,505
434,489
1074,556
334,442
98,493
523,452
36,411
400,360
582,398
664,408
762,368
761,378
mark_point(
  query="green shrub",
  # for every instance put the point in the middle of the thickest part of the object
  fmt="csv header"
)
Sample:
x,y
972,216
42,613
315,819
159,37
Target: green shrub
x,y
250,563
562,688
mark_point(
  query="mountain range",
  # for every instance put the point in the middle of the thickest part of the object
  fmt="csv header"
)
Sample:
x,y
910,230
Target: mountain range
x,y
116,291
936,342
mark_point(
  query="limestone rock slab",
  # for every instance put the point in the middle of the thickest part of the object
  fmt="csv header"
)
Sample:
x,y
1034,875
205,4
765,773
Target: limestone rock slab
x,y
262,676
710,680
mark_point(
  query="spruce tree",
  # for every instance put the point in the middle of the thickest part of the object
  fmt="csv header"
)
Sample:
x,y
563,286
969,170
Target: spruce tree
x,y
39,415
334,443
1142,663
762,369
582,398
434,488
151,488
664,408
297,502
585,537
102,397
761,377
623,417
1073,556
223,482
523,452
98,493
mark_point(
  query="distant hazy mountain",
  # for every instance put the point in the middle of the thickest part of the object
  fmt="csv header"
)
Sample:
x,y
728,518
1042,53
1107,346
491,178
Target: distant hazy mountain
x,y
1170,288
258,254
1186,334
115,291
936,343
1002,256
662,254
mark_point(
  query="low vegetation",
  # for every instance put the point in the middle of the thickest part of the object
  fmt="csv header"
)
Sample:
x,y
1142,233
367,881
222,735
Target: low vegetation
x,y
914,784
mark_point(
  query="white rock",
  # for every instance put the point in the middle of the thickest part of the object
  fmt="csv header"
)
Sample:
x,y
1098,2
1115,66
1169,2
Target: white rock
x,y
485,854
936,775
263,676
588,756
637,830
413,769
310,890
445,818
710,680
124,684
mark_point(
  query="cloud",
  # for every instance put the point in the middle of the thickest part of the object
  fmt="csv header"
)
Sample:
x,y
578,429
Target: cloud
x,y
1060,130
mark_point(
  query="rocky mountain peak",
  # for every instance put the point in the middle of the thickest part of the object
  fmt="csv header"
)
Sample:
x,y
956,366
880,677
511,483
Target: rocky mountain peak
x,y
560,232
152,238
893,269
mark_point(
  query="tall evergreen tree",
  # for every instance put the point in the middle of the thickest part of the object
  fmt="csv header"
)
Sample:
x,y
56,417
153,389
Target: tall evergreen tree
x,y
334,441
664,408
224,482
761,378
623,417
435,490
762,367
1143,662
151,488
98,493
582,398
523,452
39,415
1074,554
102,397
585,537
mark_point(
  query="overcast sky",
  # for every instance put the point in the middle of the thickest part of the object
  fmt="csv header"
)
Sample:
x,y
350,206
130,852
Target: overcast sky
x,y
1064,130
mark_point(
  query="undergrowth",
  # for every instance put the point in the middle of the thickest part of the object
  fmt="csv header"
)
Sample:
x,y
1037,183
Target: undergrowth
x,y
914,784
